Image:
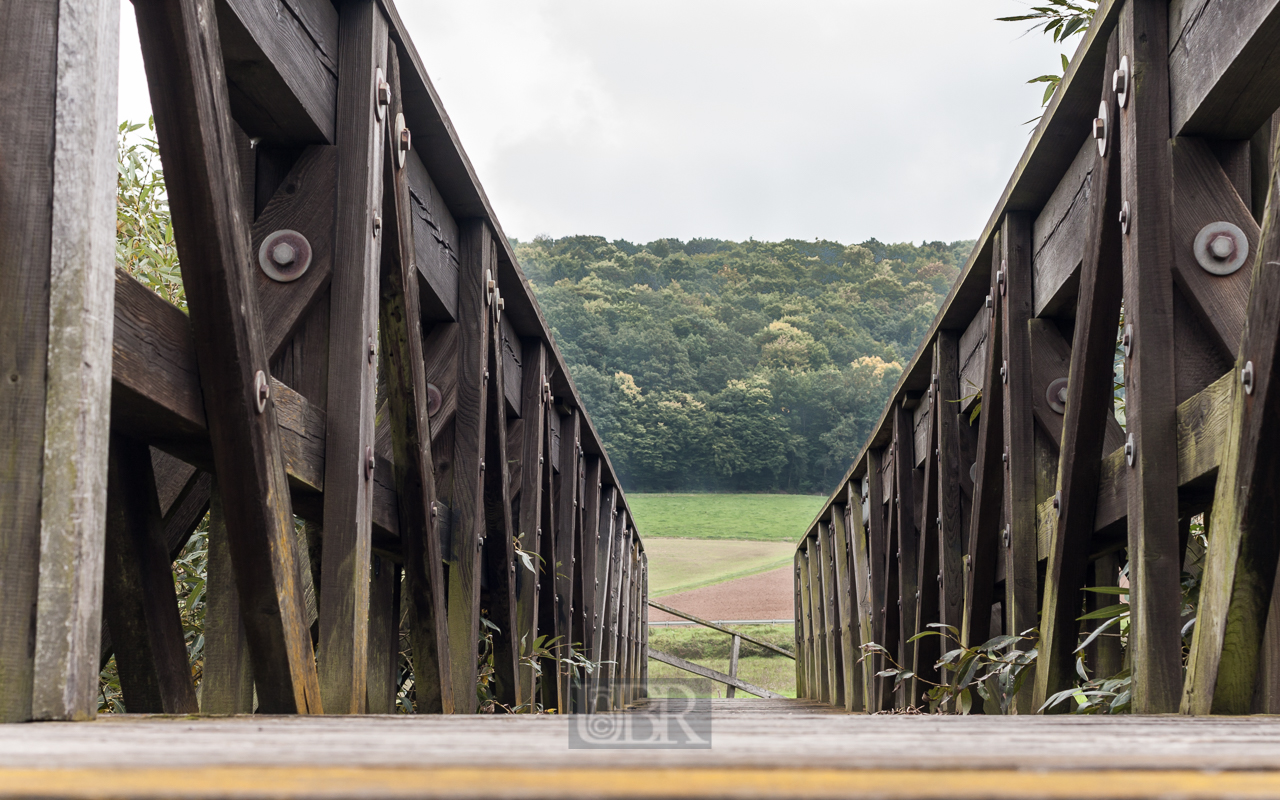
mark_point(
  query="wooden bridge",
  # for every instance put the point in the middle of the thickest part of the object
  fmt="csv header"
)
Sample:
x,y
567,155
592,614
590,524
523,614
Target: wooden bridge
x,y
1009,471
364,399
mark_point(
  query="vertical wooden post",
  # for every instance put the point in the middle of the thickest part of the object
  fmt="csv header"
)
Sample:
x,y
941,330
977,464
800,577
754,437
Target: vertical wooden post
x,y
140,603
384,635
182,55
227,683
733,665
1240,566
644,625
476,269
848,608
1150,399
589,543
604,550
925,650
952,521
1021,584
985,543
877,543
904,460
353,320
532,466
804,636
1088,408
566,537
863,602
57,210
817,595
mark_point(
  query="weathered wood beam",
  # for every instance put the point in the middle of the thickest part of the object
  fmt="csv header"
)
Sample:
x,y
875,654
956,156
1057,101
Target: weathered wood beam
x,y
925,651
532,458
400,330
193,125
831,615
951,495
140,605
587,588
847,607
282,68
384,636
1086,416
1150,392
566,537
1223,71
1239,574
707,672
226,686
1014,282
353,331
877,545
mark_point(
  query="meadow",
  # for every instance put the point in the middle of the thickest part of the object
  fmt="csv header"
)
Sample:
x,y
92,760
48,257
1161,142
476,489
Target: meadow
x,y
748,517
710,648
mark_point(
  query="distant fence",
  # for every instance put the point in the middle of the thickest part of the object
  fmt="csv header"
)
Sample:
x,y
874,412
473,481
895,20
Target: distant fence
x,y
1136,236
361,351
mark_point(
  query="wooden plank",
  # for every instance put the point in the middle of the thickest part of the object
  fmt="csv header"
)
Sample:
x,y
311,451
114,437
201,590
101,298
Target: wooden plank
x,y
1151,410
193,126
877,544
304,202
1021,583
1083,427
1204,194
921,421
952,522
621,669
498,539
546,587
588,560
598,689
925,651
435,239
822,674
565,544
1240,567
984,526
908,552
404,358
705,672
797,630
282,82
1058,236
512,365
860,566
1222,66
29,56
353,332
141,607
831,616
973,359
384,636
532,467
804,650
226,685
468,453
846,607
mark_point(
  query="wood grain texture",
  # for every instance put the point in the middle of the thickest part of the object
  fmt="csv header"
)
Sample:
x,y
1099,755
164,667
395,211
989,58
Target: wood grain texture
x,y
1151,411
847,607
598,688
353,332
29,57
400,329
529,525
435,240
860,566
1021,601
973,359
1086,418
984,547
805,686
821,673
282,82
1240,568
468,452
831,615
141,607
1223,71
193,126
226,685
566,495
952,521
1059,235
877,544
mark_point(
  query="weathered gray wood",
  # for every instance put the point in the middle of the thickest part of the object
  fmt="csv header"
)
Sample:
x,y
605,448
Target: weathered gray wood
x,y
227,683
1087,414
952,522
925,651
140,605
973,359
400,329
846,607
1059,234
566,495
861,567
384,636
353,331
831,615
532,467
1021,584
877,544
1146,181
193,126
282,72
1222,66
697,669
1240,566
435,239
588,587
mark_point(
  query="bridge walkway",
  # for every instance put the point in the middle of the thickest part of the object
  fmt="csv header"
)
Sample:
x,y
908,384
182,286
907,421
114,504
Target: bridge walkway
x,y
758,748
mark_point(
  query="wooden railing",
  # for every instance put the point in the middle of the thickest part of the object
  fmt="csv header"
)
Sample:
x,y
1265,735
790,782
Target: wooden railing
x,y
730,679
1146,179
364,395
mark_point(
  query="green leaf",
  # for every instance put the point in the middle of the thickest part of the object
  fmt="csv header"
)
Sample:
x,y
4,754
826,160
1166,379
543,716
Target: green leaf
x,y
1118,610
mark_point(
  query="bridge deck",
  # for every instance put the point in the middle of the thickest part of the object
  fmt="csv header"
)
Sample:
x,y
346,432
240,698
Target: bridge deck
x,y
759,748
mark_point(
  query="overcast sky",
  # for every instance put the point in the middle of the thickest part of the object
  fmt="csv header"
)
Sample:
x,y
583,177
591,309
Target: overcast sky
x,y
729,119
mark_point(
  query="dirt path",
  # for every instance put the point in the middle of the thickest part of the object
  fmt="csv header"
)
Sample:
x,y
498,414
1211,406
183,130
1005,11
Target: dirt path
x,y
767,595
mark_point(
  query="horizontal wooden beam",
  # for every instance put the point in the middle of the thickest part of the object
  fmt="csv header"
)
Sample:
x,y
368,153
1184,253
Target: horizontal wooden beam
x,y
1202,431
156,398
721,628
706,672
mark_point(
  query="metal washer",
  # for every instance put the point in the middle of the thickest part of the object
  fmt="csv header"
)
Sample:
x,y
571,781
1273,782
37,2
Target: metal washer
x,y
284,273
1214,264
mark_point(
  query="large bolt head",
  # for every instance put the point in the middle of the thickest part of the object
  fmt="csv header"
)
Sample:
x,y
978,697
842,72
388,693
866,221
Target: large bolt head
x,y
1221,246
283,254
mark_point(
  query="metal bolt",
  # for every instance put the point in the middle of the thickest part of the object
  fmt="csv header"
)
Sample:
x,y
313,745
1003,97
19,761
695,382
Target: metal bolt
x,y
377,225
540,460
369,462
917,594
988,301
1005,456
1100,129
1124,218
261,389
1221,246
486,374
372,350
1126,339
939,578
1004,371
1057,502
283,253
1129,449
1000,278
1120,82
406,140
433,511
1246,377
1005,535
482,465
382,94
939,520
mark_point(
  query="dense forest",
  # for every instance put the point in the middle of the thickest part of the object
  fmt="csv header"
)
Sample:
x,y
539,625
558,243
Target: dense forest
x,y
737,366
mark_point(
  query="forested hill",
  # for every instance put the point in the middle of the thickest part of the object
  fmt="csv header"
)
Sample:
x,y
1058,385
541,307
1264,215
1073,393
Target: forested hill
x,y
737,366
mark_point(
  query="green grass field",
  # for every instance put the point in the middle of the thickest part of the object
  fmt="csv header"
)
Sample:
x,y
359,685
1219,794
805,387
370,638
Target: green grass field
x,y
710,648
678,565
753,517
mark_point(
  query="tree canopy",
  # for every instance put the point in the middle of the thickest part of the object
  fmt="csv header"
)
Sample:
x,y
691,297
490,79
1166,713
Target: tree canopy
x,y
737,366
